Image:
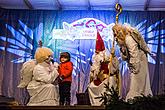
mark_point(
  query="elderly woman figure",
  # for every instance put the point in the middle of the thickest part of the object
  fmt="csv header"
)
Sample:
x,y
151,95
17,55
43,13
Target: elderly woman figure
x,y
134,50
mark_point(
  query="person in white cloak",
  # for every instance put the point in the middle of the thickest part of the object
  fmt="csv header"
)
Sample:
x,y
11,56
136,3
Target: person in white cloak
x,y
101,72
134,50
42,90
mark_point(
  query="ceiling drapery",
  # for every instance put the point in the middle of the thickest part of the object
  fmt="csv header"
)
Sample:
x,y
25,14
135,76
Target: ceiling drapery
x,y
133,5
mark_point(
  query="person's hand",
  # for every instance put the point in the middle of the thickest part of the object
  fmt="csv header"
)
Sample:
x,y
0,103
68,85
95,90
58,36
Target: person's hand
x,y
51,67
56,65
123,49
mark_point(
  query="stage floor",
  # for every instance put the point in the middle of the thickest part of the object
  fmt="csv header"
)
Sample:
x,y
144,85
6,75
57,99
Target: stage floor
x,y
76,107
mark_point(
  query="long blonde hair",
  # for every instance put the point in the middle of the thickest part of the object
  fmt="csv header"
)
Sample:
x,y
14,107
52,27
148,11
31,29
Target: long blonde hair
x,y
42,53
120,33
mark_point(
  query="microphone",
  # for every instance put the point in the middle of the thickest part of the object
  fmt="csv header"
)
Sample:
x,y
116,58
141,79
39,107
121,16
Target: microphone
x,y
52,60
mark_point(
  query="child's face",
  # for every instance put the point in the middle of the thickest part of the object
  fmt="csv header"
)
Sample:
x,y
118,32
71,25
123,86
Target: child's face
x,y
63,59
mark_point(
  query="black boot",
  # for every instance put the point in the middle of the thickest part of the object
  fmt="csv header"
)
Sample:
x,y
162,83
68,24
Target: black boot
x,y
61,103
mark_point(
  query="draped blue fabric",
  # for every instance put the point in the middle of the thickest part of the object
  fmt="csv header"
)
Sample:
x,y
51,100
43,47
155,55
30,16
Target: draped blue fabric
x,y
20,31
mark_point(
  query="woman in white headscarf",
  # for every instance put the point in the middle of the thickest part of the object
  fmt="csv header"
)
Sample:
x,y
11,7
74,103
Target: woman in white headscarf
x,y
41,89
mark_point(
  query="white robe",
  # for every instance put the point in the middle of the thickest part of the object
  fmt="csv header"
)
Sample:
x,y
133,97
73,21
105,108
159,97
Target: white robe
x,y
41,90
138,66
96,91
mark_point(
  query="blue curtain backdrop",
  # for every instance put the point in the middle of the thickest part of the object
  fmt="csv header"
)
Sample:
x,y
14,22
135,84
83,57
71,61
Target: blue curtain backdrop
x,y
20,31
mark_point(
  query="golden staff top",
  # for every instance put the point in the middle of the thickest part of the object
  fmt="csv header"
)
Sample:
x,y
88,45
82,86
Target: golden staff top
x,y
118,8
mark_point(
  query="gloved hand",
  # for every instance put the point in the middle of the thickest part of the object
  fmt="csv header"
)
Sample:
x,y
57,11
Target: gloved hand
x,y
123,50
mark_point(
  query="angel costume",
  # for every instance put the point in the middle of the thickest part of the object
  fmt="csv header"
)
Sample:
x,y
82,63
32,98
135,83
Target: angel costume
x,y
134,52
138,65
41,90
